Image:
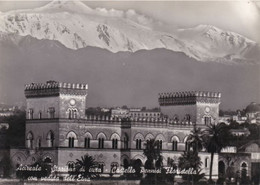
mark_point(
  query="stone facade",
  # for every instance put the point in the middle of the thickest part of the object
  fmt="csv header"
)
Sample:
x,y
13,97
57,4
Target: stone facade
x,y
201,108
63,133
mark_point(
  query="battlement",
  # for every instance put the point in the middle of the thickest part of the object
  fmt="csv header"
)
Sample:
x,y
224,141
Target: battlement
x,y
188,98
157,122
53,88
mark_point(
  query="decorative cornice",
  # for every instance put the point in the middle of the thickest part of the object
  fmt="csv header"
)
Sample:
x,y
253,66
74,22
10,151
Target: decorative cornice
x,y
53,88
188,98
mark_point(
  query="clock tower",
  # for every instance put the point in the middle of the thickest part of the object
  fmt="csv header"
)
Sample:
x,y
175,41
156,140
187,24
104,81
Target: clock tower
x,y
56,100
51,105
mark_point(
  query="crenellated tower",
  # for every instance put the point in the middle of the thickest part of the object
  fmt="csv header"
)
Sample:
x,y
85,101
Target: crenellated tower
x,y
195,107
49,103
55,100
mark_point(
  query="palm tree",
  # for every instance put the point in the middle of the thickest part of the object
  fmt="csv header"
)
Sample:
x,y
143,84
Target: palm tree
x,y
153,152
215,138
190,159
195,139
84,165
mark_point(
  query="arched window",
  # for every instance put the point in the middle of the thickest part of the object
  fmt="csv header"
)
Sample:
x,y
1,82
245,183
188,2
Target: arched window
x,y
139,138
100,143
101,140
244,169
138,144
29,140
71,142
71,166
115,138
207,120
175,141
71,139
187,144
87,142
114,143
39,143
159,144
73,113
50,139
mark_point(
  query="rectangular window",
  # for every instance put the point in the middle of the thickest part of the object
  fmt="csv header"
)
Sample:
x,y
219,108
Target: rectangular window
x,y
101,143
71,142
40,114
87,143
207,120
114,143
30,114
174,145
125,143
51,112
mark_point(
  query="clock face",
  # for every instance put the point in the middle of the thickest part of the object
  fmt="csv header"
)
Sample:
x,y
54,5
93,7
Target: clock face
x,y
72,102
207,109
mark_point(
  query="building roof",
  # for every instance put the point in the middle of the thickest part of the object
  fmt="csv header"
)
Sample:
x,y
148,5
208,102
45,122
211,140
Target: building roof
x,y
253,108
250,146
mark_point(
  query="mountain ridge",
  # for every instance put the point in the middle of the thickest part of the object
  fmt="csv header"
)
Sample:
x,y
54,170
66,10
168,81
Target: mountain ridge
x,y
123,78
79,26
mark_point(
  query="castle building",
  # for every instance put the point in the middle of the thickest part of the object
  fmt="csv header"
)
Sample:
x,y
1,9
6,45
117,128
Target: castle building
x,y
59,132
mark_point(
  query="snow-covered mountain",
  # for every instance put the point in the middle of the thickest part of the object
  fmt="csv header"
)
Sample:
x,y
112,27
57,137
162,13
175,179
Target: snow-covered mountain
x,y
76,25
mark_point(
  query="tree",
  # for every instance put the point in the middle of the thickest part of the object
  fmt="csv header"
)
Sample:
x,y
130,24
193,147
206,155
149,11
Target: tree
x,y
171,176
5,164
153,152
85,165
195,139
16,130
191,160
215,138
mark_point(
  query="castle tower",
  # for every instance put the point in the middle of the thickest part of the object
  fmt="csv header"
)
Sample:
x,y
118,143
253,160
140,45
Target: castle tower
x,y
47,103
196,107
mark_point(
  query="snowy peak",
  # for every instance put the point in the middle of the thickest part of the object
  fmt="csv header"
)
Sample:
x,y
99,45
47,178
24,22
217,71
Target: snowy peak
x,y
216,43
55,6
213,33
75,25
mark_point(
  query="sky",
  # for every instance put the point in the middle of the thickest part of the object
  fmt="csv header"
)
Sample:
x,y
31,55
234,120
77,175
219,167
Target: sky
x,y
242,17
